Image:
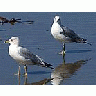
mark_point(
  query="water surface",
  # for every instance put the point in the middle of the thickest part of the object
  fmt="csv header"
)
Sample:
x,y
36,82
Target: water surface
x,y
77,68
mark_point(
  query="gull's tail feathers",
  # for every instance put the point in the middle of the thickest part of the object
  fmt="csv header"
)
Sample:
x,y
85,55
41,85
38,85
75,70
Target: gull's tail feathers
x,y
43,63
85,41
47,65
81,40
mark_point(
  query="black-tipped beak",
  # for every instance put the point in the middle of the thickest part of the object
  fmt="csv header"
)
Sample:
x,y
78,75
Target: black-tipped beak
x,y
7,41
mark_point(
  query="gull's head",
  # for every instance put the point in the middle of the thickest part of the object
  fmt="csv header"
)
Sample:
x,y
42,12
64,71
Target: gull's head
x,y
57,19
13,41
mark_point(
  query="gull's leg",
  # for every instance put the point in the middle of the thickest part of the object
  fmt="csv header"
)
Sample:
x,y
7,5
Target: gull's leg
x,y
19,71
25,67
63,48
63,51
25,81
19,79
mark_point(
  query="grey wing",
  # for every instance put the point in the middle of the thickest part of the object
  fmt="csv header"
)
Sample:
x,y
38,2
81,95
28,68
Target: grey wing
x,y
34,58
71,34
29,55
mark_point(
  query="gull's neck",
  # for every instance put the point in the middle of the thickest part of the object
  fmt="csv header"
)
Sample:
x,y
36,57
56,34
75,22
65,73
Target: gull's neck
x,y
14,45
57,22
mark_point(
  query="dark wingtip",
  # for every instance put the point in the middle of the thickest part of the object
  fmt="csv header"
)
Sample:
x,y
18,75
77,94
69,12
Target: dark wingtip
x,y
48,66
85,41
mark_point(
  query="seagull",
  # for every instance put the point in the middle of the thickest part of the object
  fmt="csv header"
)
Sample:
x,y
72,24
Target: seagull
x,y
23,56
64,34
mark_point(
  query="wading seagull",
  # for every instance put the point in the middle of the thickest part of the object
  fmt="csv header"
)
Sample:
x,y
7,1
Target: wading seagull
x,y
64,34
24,56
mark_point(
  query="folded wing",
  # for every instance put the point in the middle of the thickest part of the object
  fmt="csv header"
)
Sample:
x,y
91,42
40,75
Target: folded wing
x,y
36,60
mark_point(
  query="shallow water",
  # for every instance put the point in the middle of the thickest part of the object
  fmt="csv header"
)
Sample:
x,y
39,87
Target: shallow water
x,y
77,68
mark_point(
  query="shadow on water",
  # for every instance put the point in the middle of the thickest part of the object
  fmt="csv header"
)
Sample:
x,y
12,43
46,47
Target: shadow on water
x,y
2,30
78,51
0,39
66,70
38,72
28,22
42,82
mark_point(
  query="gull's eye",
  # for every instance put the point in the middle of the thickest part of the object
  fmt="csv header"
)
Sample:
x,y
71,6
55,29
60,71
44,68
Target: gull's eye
x,y
11,39
59,19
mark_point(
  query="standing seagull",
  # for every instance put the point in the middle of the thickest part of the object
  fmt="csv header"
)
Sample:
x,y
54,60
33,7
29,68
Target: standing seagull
x,y
24,56
64,34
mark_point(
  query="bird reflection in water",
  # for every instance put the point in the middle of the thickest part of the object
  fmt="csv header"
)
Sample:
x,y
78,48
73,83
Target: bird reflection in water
x,y
65,70
61,72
